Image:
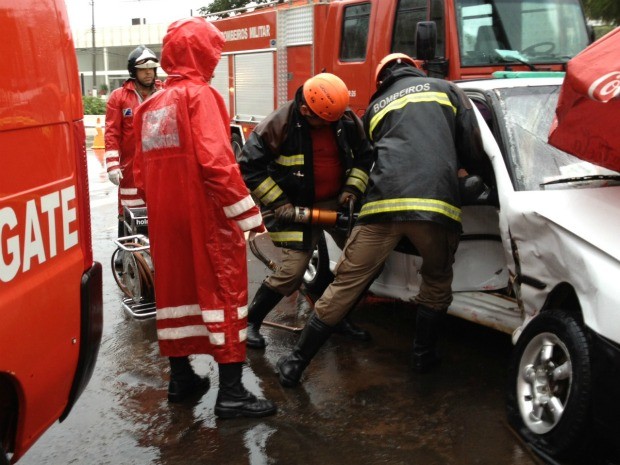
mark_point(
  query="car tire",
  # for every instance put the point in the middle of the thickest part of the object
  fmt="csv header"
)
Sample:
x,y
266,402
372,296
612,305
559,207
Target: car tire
x,y
318,275
550,384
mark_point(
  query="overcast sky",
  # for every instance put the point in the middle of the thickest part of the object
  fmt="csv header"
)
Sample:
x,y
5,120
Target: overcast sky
x,y
120,12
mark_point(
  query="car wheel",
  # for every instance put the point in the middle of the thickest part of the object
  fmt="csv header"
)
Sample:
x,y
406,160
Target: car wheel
x,y
318,275
550,384
237,145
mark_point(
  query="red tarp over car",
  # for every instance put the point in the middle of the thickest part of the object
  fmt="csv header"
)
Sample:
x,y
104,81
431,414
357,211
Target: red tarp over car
x,y
588,111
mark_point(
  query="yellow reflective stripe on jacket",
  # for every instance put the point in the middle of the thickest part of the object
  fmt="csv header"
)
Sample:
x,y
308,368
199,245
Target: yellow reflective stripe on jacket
x,y
358,178
264,187
287,236
267,191
404,205
437,97
271,196
291,160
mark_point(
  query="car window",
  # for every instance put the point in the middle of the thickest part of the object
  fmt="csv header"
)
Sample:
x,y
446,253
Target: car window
x,y
526,114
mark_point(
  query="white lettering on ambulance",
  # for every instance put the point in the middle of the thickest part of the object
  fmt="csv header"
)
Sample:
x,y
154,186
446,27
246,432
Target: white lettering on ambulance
x,y
32,245
9,270
34,241
69,215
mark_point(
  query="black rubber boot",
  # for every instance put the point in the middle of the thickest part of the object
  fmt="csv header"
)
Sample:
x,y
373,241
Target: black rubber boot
x,y
234,400
427,327
314,335
264,301
184,383
346,327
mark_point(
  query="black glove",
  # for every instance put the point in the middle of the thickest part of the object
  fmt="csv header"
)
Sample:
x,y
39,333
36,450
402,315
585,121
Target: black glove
x,y
285,213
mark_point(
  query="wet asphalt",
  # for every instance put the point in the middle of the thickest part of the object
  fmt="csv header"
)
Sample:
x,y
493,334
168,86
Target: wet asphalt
x,y
359,402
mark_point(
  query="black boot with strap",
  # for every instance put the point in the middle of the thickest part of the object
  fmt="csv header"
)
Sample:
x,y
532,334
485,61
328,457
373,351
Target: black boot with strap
x,y
264,301
312,338
234,400
427,328
184,383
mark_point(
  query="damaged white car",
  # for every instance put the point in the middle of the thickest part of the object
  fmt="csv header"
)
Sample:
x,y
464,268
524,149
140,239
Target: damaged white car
x,y
540,262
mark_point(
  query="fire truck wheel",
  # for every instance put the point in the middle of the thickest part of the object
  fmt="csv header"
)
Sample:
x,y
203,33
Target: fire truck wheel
x,y
318,274
550,384
237,145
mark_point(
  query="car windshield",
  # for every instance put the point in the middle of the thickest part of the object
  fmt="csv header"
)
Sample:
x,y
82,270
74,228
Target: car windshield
x,y
527,114
530,31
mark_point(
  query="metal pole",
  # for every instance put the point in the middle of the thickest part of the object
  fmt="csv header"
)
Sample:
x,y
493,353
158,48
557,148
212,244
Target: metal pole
x,y
92,3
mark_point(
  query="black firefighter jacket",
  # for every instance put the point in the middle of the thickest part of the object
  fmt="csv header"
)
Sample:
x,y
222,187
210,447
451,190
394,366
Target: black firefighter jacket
x,y
277,166
422,131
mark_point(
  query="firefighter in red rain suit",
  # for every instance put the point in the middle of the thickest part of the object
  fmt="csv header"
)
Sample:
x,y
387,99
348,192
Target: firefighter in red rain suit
x,y
120,142
198,207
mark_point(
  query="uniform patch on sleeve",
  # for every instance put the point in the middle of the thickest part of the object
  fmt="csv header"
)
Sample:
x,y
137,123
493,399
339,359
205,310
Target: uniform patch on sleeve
x,y
160,129
127,112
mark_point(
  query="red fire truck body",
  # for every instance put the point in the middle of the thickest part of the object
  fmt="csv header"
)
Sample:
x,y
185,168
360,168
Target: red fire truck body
x,y
272,50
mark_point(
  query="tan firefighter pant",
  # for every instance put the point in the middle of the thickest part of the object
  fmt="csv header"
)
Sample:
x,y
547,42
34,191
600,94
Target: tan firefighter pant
x,y
293,263
368,248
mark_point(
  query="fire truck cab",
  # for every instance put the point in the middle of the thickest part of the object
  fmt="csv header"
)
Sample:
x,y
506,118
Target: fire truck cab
x,y
272,50
50,287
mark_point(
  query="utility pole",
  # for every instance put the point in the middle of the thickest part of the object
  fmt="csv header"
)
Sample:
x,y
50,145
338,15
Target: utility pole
x,y
92,3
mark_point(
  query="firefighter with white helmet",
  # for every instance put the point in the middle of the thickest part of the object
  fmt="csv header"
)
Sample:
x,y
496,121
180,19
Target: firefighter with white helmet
x,y
422,130
310,152
119,137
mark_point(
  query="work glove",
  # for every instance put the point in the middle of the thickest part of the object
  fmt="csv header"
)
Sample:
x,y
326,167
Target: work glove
x,y
115,176
343,199
285,213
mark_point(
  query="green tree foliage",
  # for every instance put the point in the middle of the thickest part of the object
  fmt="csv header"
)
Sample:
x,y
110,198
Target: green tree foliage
x,y
604,10
93,106
222,5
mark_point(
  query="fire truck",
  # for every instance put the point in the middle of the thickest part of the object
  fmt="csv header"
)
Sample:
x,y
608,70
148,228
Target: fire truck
x,y
272,50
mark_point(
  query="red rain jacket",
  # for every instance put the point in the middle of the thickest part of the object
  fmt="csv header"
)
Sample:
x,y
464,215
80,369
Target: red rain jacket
x,y
198,204
120,141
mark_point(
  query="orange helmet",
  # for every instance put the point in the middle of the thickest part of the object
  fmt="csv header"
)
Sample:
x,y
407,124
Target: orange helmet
x,y
327,96
388,60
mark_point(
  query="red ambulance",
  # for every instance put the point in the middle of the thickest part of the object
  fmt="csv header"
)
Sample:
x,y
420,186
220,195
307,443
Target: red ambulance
x,y
50,286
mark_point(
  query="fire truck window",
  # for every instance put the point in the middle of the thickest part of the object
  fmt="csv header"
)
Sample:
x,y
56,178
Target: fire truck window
x,y
437,15
355,32
408,14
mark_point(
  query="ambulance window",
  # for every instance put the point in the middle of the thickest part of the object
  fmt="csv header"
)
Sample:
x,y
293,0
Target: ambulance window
x,y
355,32
408,14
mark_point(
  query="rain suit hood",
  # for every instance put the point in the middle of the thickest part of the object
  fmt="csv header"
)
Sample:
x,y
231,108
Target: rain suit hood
x,y
191,49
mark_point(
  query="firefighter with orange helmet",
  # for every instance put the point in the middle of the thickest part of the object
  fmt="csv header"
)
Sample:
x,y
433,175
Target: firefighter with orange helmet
x,y
422,130
310,152
119,138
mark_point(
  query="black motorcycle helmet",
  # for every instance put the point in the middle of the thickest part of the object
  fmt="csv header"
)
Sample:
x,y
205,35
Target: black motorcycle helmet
x,y
141,57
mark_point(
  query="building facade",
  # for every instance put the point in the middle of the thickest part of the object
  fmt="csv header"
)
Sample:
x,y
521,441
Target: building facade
x,y
103,66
